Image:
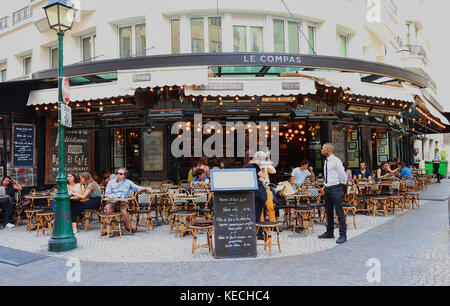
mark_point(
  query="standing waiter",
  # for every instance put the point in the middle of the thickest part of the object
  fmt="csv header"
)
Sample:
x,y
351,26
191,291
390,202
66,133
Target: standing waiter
x,y
335,177
436,163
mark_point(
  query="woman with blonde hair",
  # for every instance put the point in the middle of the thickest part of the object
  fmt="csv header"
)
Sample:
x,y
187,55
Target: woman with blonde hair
x,y
89,198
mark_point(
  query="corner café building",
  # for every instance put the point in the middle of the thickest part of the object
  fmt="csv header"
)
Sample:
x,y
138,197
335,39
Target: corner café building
x,y
123,110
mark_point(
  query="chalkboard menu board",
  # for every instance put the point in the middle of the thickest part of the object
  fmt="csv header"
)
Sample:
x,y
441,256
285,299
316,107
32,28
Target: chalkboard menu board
x,y
234,224
23,152
77,151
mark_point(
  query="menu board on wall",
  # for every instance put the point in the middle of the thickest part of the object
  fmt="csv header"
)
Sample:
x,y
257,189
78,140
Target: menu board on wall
x,y
23,145
234,224
153,157
353,149
78,152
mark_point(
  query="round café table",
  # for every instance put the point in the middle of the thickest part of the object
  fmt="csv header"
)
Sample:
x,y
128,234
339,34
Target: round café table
x,y
37,196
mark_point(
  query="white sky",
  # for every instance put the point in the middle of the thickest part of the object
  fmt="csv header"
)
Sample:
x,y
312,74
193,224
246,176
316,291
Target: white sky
x,y
437,27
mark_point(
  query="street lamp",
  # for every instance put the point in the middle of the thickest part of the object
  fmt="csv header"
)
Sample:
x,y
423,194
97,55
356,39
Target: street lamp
x,y
60,17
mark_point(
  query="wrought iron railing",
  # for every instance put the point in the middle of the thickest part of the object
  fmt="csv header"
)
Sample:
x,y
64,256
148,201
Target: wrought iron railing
x,y
4,23
417,49
21,15
391,5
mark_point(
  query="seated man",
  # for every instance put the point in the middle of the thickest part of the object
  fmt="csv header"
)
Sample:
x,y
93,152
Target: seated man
x,y
299,174
404,171
119,187
362,172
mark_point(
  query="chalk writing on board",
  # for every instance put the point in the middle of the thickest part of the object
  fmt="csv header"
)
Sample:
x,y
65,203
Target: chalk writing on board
x,y
23,145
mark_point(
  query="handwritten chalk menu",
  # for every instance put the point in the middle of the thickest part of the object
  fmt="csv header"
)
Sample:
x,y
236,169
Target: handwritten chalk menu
x,y
77,152
23,136
234,224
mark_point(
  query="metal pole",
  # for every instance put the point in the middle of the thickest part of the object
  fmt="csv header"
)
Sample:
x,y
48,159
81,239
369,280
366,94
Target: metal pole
x,y
63,238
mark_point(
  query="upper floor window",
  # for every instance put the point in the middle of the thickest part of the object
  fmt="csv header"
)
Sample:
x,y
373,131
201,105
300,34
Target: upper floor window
x,y
133,40
54,58
3,75
286,36
215,34
197,35
254,44
342,45
175,28
411,34
311,39
88,47
278,35
27,65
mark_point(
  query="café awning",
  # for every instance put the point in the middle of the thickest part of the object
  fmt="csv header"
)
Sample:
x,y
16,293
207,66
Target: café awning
x,y
127,82
351,84
252,87
79,93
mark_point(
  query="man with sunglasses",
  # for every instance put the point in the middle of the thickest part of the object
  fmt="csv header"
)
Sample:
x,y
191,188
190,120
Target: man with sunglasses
x,y
119,187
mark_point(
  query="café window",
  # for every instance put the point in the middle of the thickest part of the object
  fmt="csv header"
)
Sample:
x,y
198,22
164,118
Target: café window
x,y
215,34
54,58
88,47
197,35
26,176
175,28
240,39
133,40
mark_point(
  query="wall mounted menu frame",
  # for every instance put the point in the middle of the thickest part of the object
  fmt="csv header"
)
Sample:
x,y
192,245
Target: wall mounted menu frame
x,y
153,151
23,146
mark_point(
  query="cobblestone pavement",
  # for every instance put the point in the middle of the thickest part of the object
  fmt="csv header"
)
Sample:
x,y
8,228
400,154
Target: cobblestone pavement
x,y
412,250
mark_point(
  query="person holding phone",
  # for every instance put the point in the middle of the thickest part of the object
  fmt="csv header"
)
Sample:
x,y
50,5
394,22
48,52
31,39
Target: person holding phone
x,y
8,188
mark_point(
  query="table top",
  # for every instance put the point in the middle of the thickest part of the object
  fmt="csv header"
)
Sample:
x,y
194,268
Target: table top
x,y
4,197
38,196
190,197
298,195
117,200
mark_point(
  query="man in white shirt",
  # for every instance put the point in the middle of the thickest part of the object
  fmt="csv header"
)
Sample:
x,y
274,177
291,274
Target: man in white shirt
x,y
436,164
335,177
299,174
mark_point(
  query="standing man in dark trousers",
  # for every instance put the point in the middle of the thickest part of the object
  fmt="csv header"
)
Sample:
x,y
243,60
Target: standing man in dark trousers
x,y
335,177
436,164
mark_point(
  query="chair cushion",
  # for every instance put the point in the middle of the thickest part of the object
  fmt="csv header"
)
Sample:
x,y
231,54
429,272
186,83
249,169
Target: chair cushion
x,y
267,224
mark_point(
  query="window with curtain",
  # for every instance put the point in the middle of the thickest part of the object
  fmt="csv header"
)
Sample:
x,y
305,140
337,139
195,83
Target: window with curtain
x,y
278,35
175,36
342,45
3,75
240,39
125,38
256,39
88,47
197,35
54,58
141,43
293,37
215,34
311,39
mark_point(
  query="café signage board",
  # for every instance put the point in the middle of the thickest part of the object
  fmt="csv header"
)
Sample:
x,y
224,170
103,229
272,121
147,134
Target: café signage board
x,y
234,213
23,145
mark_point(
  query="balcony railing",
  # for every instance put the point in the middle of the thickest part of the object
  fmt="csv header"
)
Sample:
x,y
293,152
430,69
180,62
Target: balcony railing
x,y
4,23
390,4
21,15
417,49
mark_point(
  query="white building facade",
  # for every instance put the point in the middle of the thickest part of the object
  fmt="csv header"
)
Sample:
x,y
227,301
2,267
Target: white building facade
x,y
383,31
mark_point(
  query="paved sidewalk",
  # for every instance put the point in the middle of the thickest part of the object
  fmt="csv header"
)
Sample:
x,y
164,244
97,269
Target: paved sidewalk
x,y
412,250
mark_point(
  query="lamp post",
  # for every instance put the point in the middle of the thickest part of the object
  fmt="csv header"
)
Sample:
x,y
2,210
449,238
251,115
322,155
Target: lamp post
x,y
60,16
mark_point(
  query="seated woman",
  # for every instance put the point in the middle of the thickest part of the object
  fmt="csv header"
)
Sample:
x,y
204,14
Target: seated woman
x,y
200,178
73,186
8,188
383,173
89,198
